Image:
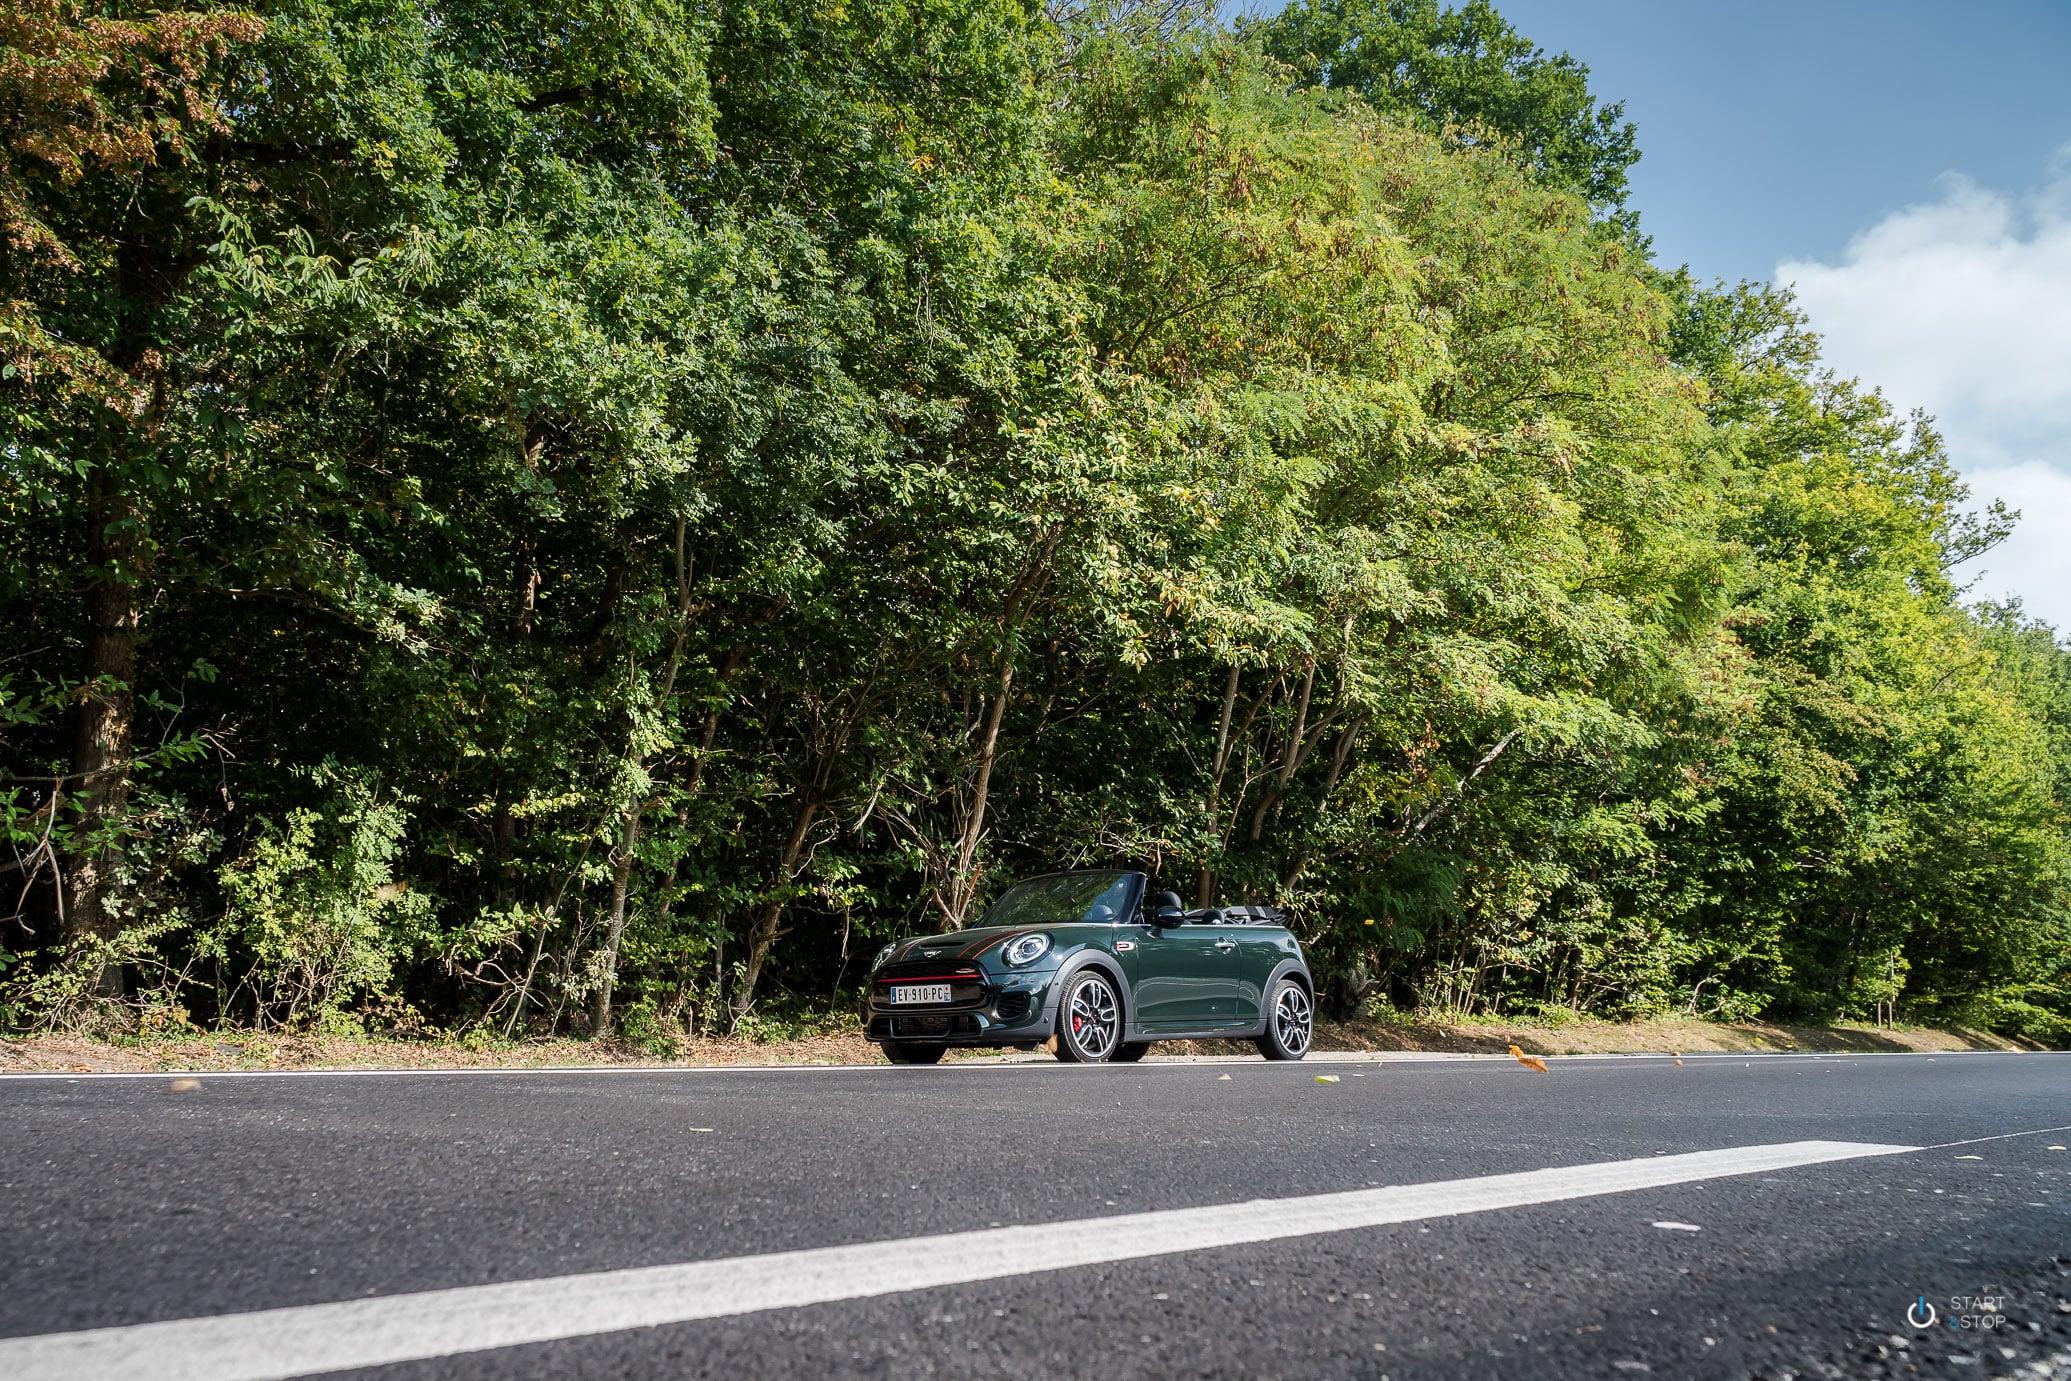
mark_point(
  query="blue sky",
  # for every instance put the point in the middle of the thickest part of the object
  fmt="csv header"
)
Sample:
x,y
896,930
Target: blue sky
x,y
1907,166
1774,132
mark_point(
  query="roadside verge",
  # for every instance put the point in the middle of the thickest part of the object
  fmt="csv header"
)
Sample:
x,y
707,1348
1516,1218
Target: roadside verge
x,y
81,1055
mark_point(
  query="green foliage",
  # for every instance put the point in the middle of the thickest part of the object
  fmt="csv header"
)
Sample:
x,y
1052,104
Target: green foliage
x,y
611,520
1462,67
316,911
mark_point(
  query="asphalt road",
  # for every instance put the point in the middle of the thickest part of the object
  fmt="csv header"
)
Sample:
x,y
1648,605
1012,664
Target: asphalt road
x,y
122,1203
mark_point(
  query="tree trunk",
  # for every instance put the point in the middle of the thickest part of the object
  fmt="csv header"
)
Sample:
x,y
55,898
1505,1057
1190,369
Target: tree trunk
x,y
692,783
629,833
1339,756
1459,788
1204,888
504,833
621,880
965,883
101,734
1289,760
524,605
764,932
962,885
524,589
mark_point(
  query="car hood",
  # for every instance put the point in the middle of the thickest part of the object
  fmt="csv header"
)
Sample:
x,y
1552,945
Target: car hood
x,y
960,946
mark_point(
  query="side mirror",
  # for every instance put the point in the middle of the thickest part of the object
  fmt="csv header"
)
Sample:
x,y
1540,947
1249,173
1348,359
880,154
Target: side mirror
x,y
1168,915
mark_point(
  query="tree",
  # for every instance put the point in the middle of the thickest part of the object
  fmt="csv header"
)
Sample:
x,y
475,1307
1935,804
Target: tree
x,y
95,109
580,521
1462,67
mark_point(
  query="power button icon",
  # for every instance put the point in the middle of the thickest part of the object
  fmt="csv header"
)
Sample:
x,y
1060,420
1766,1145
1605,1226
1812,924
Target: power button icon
x,y
1920,1313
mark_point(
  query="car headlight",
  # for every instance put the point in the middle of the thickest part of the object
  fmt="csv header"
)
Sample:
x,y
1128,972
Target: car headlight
x,y
883,955
1026,950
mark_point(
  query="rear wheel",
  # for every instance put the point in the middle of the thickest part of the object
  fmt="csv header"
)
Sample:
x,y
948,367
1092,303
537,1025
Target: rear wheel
x,y
1290,1023
1131,1052
912,1052
1089,1020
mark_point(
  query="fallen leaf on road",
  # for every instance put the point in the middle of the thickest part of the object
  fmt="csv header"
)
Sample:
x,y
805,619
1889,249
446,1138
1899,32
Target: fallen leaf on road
x,y
184,1086
697,1129
1679,1227
1528,1061
1326,1078
2056,1148
1224,1079
1678,1064
1970,1157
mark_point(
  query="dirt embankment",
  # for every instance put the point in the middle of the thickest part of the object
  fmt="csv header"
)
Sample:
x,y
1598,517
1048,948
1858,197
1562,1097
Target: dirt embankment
x,y
60,1054
1663,1036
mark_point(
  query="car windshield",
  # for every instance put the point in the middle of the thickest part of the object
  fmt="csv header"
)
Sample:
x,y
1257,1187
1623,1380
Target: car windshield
x,y
1062,898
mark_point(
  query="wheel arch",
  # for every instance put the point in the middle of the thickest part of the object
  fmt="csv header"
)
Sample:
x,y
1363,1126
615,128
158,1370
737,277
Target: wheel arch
x,y
1110,969
1295,969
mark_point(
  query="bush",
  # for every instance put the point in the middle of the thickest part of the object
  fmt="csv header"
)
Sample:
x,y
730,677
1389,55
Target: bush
x,y
316,913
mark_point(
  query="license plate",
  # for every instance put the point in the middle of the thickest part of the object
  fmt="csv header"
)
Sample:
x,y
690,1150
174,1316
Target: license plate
x,y
920,992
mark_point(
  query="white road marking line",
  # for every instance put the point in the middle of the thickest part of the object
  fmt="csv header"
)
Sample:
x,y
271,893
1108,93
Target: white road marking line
x,y
2003,1136
277,1343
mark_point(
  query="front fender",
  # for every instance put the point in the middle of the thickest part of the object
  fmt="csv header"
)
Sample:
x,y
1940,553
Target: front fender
x,y
1292,968
1071,967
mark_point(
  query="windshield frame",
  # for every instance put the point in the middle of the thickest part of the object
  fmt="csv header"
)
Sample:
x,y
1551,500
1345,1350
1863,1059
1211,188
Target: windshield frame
x,y
1126,915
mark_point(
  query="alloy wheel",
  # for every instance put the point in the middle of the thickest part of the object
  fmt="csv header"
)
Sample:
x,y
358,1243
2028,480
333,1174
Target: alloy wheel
x,y
1293,1019
1093,1018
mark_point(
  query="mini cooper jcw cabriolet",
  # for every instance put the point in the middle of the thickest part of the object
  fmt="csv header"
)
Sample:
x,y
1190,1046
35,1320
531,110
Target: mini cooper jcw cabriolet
x,y
1085,957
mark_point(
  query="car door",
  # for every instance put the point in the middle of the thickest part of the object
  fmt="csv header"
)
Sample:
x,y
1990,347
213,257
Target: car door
x,y
1184,977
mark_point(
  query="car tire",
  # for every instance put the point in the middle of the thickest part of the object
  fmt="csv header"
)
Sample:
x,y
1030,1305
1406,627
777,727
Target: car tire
x,y
1130,1052
912,1053
1089,1019
1290,1022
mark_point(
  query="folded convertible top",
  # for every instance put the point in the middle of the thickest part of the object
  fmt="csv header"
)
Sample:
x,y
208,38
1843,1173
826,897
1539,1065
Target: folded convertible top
x,y
1237,915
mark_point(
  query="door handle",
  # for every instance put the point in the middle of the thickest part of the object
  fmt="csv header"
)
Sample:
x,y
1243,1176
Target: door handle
x,y
1225,944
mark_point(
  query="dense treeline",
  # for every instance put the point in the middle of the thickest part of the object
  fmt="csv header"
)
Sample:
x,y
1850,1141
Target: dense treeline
x,y
587,516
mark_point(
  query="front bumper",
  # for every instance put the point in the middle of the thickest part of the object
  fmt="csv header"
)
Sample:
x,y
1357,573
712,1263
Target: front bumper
x,y
1010,1008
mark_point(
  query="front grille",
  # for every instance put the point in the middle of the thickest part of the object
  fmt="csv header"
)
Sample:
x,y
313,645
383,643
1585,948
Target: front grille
x,y
923,1028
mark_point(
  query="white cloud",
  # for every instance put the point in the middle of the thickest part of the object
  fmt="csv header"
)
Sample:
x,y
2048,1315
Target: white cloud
x,y
1962,306
2035,563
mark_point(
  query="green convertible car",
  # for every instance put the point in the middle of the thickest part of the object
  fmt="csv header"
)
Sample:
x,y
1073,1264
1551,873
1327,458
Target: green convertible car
x,y
1085,957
